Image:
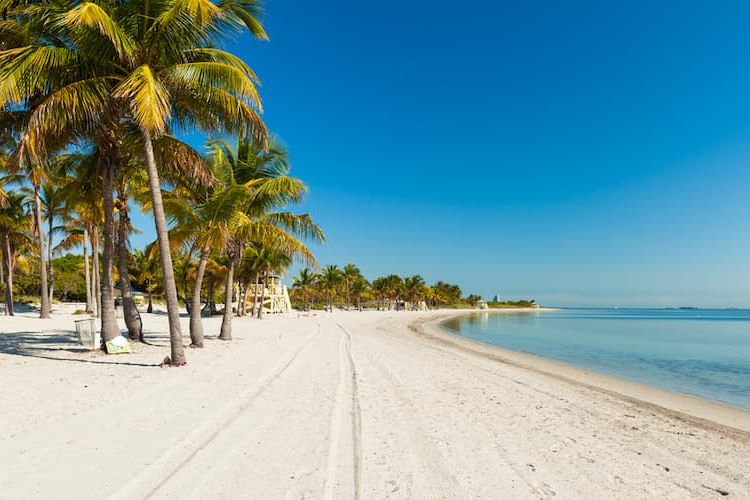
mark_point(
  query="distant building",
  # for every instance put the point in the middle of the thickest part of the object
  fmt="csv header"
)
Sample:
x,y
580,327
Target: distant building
x,y
496,298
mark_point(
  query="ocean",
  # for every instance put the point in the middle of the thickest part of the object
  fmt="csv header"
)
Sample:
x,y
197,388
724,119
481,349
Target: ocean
x,y
700,352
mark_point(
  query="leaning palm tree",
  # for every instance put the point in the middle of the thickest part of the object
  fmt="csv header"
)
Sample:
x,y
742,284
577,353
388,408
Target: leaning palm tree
x,y
87,70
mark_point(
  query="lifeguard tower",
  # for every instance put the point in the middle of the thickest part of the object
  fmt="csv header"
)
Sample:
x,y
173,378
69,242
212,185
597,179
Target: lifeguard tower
x,y
272,296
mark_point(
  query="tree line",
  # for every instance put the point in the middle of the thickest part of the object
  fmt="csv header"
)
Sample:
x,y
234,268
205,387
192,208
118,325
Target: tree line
x,y
346,287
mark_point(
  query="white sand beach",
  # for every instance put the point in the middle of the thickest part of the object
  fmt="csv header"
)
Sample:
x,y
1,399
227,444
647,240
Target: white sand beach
x,y
344,405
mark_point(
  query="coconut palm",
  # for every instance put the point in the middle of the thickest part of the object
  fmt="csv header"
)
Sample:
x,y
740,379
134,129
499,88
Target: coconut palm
x,y
89,70
359,289
330,280
147,275
15,234
303,282
53,207
255,190
414,290
349,274
380,287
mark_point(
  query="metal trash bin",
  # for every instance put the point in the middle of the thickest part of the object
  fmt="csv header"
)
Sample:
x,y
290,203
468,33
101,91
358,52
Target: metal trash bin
x,y
87,334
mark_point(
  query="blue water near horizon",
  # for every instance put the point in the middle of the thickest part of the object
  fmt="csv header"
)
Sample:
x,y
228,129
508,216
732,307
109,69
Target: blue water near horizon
x,y
700,352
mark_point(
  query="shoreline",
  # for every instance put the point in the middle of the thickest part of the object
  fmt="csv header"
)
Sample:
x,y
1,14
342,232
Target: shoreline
x,y
705,413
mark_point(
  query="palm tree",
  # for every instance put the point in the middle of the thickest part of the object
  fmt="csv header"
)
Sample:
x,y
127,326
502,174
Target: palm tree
x,y
394,289
349,274
53,205
147,276
82,196
330,280
303,282
15,234
37,175
87,70
359,289
414,289
253,188
380,287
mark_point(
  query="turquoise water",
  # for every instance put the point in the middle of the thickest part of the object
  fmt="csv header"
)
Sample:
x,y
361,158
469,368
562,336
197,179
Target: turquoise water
x,y
700,352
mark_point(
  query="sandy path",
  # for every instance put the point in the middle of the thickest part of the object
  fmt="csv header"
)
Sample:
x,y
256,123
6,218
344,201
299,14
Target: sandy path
x,y
349,405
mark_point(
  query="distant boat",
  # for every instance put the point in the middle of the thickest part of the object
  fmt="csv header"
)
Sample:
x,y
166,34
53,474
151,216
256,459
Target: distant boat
x,y
688,308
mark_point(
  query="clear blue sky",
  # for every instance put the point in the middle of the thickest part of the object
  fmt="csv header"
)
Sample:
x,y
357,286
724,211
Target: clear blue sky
x,y
588,153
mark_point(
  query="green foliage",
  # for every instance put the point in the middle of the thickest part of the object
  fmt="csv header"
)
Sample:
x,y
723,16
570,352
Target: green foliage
x,y
512,303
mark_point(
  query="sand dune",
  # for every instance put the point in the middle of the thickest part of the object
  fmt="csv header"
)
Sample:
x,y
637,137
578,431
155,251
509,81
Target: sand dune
x,y
338,406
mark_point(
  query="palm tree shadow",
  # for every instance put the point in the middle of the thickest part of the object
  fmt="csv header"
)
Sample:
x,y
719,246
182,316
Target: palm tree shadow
x,y
36,345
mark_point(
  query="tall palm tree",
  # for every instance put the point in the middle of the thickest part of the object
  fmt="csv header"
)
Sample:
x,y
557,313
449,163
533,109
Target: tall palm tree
x,y
37,176
82,196
102,70
53,206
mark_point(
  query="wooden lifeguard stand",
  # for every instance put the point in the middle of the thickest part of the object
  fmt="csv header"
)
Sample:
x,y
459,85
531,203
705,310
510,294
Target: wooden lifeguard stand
x,y
274,299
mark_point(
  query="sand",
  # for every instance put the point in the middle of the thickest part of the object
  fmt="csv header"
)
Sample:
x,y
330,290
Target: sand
x,y
344,405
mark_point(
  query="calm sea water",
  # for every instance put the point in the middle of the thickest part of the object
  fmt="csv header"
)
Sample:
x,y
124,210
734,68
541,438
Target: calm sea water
x,y
700,352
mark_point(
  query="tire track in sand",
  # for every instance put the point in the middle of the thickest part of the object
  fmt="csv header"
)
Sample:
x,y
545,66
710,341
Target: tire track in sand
x,y
146,483
346,429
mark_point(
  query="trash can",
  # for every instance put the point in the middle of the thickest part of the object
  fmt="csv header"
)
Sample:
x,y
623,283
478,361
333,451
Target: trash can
x,y
87,334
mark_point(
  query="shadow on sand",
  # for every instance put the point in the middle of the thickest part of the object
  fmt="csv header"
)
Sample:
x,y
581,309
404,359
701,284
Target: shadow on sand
x,y
42,345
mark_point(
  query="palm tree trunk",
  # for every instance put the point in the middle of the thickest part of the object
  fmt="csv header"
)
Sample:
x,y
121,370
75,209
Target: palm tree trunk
x,y
196,323
110,329
255,294
129,310
242,301
8,264
239,297
95,268
86,242
262,296
211,297
226,321
50,222
44,311
170,289
359,303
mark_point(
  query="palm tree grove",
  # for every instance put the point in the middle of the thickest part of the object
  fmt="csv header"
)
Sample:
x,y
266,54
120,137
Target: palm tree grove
x,y
96,99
